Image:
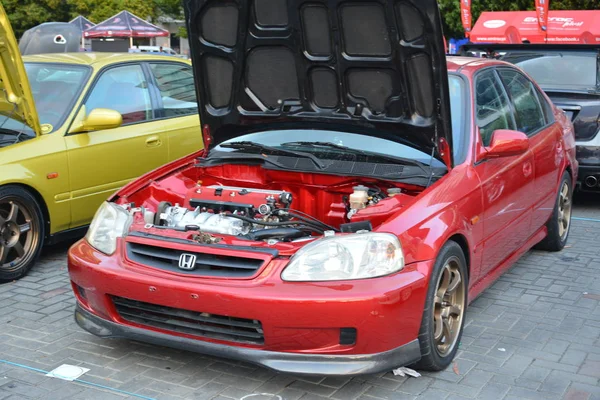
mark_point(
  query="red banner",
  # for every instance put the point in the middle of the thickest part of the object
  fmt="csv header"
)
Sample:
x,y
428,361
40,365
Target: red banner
x,y
541,7
465,15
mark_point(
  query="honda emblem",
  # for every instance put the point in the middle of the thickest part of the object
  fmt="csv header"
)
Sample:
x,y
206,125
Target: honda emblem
x,y
187,261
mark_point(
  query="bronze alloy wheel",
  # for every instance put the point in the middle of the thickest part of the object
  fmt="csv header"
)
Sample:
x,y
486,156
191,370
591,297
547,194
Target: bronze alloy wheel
x,y
564,210
449,307
18,234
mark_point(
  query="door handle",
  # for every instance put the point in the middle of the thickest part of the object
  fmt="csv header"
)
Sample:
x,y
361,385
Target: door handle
x,y
153,141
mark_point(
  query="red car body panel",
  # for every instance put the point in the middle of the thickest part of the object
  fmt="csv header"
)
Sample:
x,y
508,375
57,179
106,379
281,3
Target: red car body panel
x,y
496,210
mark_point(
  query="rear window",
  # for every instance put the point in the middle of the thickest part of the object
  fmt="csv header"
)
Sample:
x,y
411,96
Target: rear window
x,y
559,70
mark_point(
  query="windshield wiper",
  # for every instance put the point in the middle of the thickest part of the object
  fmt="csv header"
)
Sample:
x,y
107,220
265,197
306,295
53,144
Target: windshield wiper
x,y
378,156
253,146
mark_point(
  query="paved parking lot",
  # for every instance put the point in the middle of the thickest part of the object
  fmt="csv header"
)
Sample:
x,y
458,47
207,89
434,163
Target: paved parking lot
x,y
534,335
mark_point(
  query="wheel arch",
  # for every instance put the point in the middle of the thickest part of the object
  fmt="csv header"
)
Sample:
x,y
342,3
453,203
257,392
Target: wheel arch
x,y
41,202
462,241
569,169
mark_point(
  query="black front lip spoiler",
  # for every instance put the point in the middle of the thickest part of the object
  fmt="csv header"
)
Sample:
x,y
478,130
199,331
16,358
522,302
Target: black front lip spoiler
x,y
294,363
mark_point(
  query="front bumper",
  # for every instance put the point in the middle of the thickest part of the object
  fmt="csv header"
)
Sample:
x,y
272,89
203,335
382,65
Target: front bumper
x,y
295,363
301,322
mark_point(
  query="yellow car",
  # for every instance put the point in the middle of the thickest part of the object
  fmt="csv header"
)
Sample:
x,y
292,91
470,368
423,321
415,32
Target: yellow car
x,y
101,121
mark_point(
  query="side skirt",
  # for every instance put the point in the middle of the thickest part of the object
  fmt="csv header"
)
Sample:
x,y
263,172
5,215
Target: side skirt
x,y
69,234
494,274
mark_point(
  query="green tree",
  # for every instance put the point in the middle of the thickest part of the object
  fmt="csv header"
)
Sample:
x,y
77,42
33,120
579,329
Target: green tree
x,y
172,8
99,10
24,14
450,10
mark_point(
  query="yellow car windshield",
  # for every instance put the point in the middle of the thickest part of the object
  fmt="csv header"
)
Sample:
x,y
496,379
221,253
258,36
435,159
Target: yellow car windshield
x,y
55,89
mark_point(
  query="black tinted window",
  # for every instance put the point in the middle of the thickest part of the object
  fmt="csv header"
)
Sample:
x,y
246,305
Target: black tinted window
x,y
492,109
177,89
530,116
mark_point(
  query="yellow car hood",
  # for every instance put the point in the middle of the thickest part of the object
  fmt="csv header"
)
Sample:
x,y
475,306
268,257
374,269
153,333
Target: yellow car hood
x,y
16,99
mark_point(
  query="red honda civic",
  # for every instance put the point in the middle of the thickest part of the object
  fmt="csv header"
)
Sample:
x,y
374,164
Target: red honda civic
x,y
357,191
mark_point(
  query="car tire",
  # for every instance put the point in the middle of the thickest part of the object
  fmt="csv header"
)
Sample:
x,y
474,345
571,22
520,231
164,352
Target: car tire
x,y
444,312
559,224
22,232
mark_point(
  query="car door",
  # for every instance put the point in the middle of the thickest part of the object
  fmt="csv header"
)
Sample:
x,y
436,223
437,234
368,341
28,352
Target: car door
x,y
178,108
507,183
102,161
534,117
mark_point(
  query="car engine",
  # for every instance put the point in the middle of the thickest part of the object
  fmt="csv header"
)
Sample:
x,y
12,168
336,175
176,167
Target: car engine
x,y
181,218
252,213
259,214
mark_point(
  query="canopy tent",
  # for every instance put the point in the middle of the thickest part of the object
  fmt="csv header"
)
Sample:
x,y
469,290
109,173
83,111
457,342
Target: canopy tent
x,y
82,23
125,25
517,26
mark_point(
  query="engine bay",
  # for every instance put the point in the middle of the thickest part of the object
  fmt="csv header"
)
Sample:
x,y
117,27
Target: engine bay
x,y
280,212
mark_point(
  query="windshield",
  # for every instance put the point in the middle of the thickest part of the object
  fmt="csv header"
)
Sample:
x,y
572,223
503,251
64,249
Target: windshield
x,y
55,89
556,70
368,143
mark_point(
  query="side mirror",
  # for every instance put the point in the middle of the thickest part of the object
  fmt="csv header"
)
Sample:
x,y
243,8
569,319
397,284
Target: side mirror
x,y
99,119
506,143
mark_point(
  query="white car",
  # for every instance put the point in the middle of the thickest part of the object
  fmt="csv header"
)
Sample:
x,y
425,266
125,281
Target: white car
x,y
156,49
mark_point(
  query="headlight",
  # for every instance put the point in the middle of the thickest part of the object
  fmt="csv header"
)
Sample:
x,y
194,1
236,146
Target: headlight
x,y
356,256
109,223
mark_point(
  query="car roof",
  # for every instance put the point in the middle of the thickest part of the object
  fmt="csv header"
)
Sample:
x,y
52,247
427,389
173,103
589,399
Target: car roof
x,y
97,60
471,64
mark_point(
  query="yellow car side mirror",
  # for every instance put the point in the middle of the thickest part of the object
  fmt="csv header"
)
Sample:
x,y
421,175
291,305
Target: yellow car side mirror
x,y
99,119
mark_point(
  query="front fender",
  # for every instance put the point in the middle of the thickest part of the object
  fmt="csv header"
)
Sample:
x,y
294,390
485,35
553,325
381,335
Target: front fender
x,y
452,206
41,165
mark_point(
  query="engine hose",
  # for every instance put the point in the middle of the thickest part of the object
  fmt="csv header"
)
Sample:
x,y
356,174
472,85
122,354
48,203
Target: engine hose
x,y
311,219
276,233
306,217
265,223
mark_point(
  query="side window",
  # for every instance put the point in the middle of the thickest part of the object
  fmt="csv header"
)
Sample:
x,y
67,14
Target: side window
x,y
548,111
530,116
123,89
177,89
492,109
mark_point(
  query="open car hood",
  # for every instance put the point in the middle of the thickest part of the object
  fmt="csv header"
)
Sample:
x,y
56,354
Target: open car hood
x,y
16,99
372,67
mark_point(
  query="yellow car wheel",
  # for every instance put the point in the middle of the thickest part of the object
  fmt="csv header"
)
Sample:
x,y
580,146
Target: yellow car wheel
x,y
21,232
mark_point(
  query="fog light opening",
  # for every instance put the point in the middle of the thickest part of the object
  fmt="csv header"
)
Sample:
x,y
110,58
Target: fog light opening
x,y
80,292
347,336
